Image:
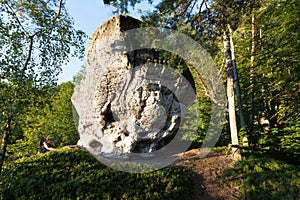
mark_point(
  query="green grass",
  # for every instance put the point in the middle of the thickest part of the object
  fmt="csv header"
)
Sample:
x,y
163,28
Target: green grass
x,y
262,177
75,174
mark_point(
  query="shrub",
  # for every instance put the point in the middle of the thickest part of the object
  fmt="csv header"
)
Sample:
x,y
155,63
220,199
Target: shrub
x,y
75,174
263,177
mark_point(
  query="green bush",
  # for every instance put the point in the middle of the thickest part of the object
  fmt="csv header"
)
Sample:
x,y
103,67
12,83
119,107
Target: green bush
x,y
262,177
75,174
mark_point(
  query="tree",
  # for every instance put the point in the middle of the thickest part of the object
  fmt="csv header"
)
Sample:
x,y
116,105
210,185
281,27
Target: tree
x,y
122,5
53,119
79,75
251,113
37,39
59,118
24,141
231,97
274,109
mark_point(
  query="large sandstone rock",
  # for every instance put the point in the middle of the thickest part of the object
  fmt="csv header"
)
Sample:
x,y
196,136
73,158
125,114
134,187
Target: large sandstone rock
x,y
127,102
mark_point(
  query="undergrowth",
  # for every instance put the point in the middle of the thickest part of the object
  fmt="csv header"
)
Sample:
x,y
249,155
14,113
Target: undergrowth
x,y
260,176
75,174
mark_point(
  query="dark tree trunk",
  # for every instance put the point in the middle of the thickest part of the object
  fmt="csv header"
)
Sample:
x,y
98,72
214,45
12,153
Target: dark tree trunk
x,y
6,133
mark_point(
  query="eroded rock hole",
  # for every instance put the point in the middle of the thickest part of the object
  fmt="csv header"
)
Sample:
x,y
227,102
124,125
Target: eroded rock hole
x,y
119,139
95,144
108,115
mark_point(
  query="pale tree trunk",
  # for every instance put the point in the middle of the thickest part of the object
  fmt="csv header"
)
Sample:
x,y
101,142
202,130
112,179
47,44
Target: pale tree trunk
x,y
236,80
251,117
230,95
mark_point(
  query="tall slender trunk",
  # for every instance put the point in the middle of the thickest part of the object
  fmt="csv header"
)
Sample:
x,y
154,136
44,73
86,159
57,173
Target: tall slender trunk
x,y
6,133
236,80
230,95
251,117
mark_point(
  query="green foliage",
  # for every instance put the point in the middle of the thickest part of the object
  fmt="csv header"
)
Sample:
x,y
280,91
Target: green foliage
x,y
276,74
37,38
53,119
261,177
290,143
79,75
199,122
76,174
36,101
59,116
122,5
222,149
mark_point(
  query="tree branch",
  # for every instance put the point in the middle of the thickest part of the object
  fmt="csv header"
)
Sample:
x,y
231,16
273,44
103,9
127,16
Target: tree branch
x,y
186,6
206,90
12,12
57,15
31,41
31,38
193,6
197,16
58,11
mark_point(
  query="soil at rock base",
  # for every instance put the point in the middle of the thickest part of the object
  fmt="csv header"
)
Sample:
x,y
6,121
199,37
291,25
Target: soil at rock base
x,y
205,174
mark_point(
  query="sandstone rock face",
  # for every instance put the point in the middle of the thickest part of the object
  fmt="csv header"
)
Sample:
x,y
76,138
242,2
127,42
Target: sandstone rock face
x,y
127,102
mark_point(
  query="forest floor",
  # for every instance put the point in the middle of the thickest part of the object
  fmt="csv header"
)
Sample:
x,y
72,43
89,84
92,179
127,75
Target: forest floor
x,y
206,173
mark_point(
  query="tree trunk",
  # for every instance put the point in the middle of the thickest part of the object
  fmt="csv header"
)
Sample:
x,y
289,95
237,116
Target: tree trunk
x,y
236,81
230,95
251,117
6,133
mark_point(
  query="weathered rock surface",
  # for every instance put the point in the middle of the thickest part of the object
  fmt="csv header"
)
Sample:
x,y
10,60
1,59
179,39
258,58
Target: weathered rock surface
x,y
126,103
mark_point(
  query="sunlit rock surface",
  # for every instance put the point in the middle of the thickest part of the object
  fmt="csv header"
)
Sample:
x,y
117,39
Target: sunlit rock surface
x,y
124,102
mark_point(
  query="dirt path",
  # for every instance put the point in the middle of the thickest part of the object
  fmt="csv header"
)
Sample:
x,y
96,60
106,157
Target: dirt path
x,y
205,174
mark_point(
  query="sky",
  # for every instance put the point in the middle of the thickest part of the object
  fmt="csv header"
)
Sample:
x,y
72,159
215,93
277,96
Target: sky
x,y
88,15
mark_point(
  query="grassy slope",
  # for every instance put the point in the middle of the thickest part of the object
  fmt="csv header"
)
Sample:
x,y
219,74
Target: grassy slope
x,y
260,176
75,174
